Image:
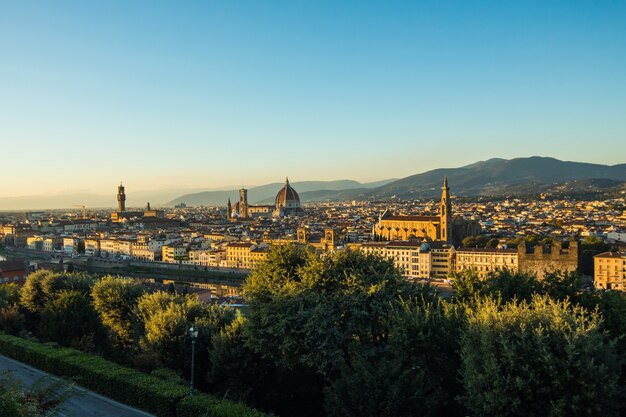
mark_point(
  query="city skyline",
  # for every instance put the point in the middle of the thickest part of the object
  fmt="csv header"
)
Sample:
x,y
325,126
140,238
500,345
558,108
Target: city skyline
x,y
206,95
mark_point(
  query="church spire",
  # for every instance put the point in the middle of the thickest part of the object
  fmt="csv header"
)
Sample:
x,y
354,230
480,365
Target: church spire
x,y
287,180
445,214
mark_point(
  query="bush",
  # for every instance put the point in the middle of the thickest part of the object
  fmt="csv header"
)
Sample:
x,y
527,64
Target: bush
x,y
119,383
122,384
537,358
207,406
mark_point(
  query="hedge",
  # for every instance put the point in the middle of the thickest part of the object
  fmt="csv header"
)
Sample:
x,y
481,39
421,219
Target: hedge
x,y
202,405
123,384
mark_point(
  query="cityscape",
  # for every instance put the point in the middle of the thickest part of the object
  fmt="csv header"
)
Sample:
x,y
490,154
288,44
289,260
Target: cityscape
x,y
313,210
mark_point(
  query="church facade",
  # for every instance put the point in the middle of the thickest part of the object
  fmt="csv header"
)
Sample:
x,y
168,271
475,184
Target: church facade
x,y
430,228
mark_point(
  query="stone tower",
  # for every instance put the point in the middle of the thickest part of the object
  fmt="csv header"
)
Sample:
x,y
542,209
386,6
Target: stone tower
x,y
229,209
445,213
121,199
243,203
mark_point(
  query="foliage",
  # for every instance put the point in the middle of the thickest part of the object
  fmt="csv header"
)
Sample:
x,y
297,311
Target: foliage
x,y
588,248
207,406
304,310
44,399
239,373
537,358
167,318
43,286
9,295
122,384
417,375
11,320
115,300
70,320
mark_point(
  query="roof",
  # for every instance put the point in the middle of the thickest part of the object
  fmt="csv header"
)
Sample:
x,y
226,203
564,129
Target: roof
x,y
611,255
11,266
488,250
287,193
413,218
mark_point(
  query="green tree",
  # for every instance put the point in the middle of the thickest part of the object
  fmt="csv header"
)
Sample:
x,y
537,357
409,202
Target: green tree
x,y
537,358
9,295
416,375
115,300
239,373
43,287
167,319
70,320
318,312
589,247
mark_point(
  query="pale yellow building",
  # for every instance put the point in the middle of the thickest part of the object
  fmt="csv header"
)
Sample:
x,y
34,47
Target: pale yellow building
x,y
173,253
609,271
486,260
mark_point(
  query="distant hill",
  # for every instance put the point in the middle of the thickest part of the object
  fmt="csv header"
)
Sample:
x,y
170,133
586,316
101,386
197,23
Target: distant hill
x,y
267,193
494,177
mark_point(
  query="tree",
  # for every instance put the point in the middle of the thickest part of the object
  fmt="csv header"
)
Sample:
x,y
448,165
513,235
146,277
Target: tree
x,y
167,319
305,310
9,295
239,373
416,375
537,358
70,320
115,300
43,287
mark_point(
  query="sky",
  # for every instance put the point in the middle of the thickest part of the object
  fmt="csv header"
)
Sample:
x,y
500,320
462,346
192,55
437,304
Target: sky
x,y
209,94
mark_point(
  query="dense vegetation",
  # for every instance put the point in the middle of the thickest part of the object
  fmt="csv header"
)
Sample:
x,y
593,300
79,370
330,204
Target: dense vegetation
x,y
346,335
44,398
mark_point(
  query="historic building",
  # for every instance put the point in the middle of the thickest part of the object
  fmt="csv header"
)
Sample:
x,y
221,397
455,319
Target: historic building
x,y
609,271
432,228
561,256
121,215
286,203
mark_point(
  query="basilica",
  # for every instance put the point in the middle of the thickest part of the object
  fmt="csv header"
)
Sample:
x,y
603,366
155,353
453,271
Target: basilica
x,y
286,203
430,228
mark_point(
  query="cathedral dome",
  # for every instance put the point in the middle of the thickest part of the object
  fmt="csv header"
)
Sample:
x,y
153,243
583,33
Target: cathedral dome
x,y
287,197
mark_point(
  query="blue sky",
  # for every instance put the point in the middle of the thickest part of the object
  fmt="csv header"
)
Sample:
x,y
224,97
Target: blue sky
x,y
207,94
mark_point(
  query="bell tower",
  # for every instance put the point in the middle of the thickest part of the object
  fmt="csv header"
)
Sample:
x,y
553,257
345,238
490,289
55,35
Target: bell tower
x,y
243,203
445,213
121,199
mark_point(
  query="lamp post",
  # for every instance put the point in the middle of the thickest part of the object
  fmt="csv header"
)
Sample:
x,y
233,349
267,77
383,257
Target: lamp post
x,y
193,332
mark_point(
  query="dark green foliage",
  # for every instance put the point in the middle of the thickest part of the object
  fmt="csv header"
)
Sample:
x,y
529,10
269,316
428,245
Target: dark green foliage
x,y
167,318
115,300
587,249
542,358
207,406
241,374
315,312
43,286
11,319
70,320
417,375
9,295
93,372
122,384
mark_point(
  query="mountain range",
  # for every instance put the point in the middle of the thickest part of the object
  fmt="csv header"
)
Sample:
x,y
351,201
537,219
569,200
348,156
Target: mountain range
x,y
494,177
491,178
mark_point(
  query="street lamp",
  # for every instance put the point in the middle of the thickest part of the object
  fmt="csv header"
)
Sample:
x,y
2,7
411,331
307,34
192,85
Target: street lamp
x,y
193,333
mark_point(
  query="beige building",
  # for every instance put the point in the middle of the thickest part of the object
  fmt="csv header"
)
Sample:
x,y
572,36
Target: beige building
x,y
116,247
173,253
245,255
609,271
415,260
486,260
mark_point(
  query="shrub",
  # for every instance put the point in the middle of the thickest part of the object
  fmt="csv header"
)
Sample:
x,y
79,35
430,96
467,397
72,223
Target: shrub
x,y
207,406
122,384
537,358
